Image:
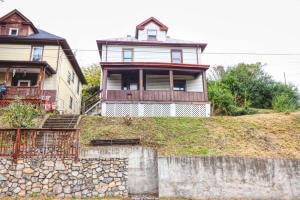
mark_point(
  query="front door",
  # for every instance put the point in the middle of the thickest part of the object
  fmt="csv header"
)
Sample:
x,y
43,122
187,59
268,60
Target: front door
x,y
24,83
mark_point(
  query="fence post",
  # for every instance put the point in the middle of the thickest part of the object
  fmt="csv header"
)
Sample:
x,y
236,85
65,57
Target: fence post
x,y
17,146
77,146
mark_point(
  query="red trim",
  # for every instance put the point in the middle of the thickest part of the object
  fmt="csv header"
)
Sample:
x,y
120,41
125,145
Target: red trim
x,y
142,25
152,64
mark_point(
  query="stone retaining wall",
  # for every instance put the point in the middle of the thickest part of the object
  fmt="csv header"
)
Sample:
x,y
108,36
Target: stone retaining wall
x,y
87,178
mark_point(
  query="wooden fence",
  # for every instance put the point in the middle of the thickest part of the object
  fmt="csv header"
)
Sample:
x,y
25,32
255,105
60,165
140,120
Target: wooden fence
x,y
45,142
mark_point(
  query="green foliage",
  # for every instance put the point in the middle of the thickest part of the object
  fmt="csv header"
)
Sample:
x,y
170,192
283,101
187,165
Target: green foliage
x,y
18,114
283,103
92,75
247,85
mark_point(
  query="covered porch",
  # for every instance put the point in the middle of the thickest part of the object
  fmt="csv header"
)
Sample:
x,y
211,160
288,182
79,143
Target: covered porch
x,y
153,89
22,79
154,83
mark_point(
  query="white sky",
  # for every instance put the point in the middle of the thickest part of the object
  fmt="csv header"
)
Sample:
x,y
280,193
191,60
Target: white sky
x,y
227,26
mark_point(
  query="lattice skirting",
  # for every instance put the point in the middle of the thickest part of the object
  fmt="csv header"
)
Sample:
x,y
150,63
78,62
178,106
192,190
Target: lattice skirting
x,y
155,110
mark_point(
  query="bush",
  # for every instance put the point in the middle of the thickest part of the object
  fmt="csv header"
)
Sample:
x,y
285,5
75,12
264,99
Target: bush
x,y
283,103
19,115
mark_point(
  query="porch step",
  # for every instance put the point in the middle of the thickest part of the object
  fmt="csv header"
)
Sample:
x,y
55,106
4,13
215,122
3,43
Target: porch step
x,y
61,121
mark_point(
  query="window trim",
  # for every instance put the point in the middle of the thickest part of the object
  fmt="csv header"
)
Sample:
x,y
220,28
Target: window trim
x,y
13,29
151,36
32,53
123,55
174,51
182,82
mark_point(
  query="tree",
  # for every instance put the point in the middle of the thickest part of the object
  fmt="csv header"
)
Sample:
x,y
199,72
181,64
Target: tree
x,y
93,75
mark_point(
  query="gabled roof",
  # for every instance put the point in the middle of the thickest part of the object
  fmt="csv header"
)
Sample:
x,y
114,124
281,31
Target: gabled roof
x,y
142,25
25,20
41,37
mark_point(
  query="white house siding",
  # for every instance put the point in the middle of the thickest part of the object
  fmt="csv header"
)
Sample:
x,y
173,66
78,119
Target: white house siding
x,y
157,82
195,85
149,54
114,82
143,34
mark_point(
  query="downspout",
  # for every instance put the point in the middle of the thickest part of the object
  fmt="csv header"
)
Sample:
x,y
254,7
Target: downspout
x,y
197,52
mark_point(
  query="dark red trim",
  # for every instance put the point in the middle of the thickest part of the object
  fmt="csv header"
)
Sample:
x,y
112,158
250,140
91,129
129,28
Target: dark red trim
x,y
9,63
154,64
142,25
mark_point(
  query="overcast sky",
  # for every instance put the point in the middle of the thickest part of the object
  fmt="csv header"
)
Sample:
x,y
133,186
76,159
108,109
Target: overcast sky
x,y
266,31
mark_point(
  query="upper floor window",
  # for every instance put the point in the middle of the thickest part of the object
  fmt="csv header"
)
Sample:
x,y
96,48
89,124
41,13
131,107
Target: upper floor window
x,y
73,76
78,86
69,77
176,56
36,53
152,34
127,55
13,31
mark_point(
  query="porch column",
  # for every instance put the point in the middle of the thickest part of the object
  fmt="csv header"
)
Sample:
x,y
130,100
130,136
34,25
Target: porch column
x,y
171,84
41,81
104,84
141,83
6,76
204,85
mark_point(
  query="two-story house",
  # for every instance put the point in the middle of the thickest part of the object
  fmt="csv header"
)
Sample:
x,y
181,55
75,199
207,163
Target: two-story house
x,y
37,66
152,74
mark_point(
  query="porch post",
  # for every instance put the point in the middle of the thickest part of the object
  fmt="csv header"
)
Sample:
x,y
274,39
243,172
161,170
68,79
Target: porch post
x,y
6,76
104,84
171,84
141,82
41,80
204,85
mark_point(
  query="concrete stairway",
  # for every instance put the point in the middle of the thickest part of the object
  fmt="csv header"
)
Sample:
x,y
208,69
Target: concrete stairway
x,y
61,121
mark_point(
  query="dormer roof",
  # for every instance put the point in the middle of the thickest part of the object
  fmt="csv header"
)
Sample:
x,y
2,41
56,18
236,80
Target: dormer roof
x,y
142,25
16,16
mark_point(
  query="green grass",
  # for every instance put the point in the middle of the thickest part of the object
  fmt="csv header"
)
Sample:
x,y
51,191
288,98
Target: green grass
x,y
261,135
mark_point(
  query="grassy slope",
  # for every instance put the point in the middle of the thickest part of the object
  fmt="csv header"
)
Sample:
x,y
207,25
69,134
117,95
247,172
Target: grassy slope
x,y
261,135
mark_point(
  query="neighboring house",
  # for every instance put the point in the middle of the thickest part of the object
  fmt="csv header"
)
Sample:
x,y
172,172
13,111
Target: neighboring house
x,y
152,75
37,66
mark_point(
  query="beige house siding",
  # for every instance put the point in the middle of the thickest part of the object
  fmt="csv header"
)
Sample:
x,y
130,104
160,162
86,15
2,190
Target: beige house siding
x,y
56,58
15,52
66,90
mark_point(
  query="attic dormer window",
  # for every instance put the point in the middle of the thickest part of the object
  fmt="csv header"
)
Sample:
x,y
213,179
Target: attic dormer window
x,y
13,31
152,34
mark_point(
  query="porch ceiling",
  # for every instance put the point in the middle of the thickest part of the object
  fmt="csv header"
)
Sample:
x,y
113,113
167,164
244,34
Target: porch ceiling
x,y
30,66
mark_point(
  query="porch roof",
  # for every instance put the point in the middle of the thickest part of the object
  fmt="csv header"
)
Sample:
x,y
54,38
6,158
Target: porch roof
x,y
27,64
154,66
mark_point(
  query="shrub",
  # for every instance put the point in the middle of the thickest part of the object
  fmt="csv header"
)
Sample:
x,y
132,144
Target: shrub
x,y
19,115
283,103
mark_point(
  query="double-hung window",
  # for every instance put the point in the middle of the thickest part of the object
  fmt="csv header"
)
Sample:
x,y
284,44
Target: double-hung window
x,y
176,56
13,31
127,55
36,53
152,34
